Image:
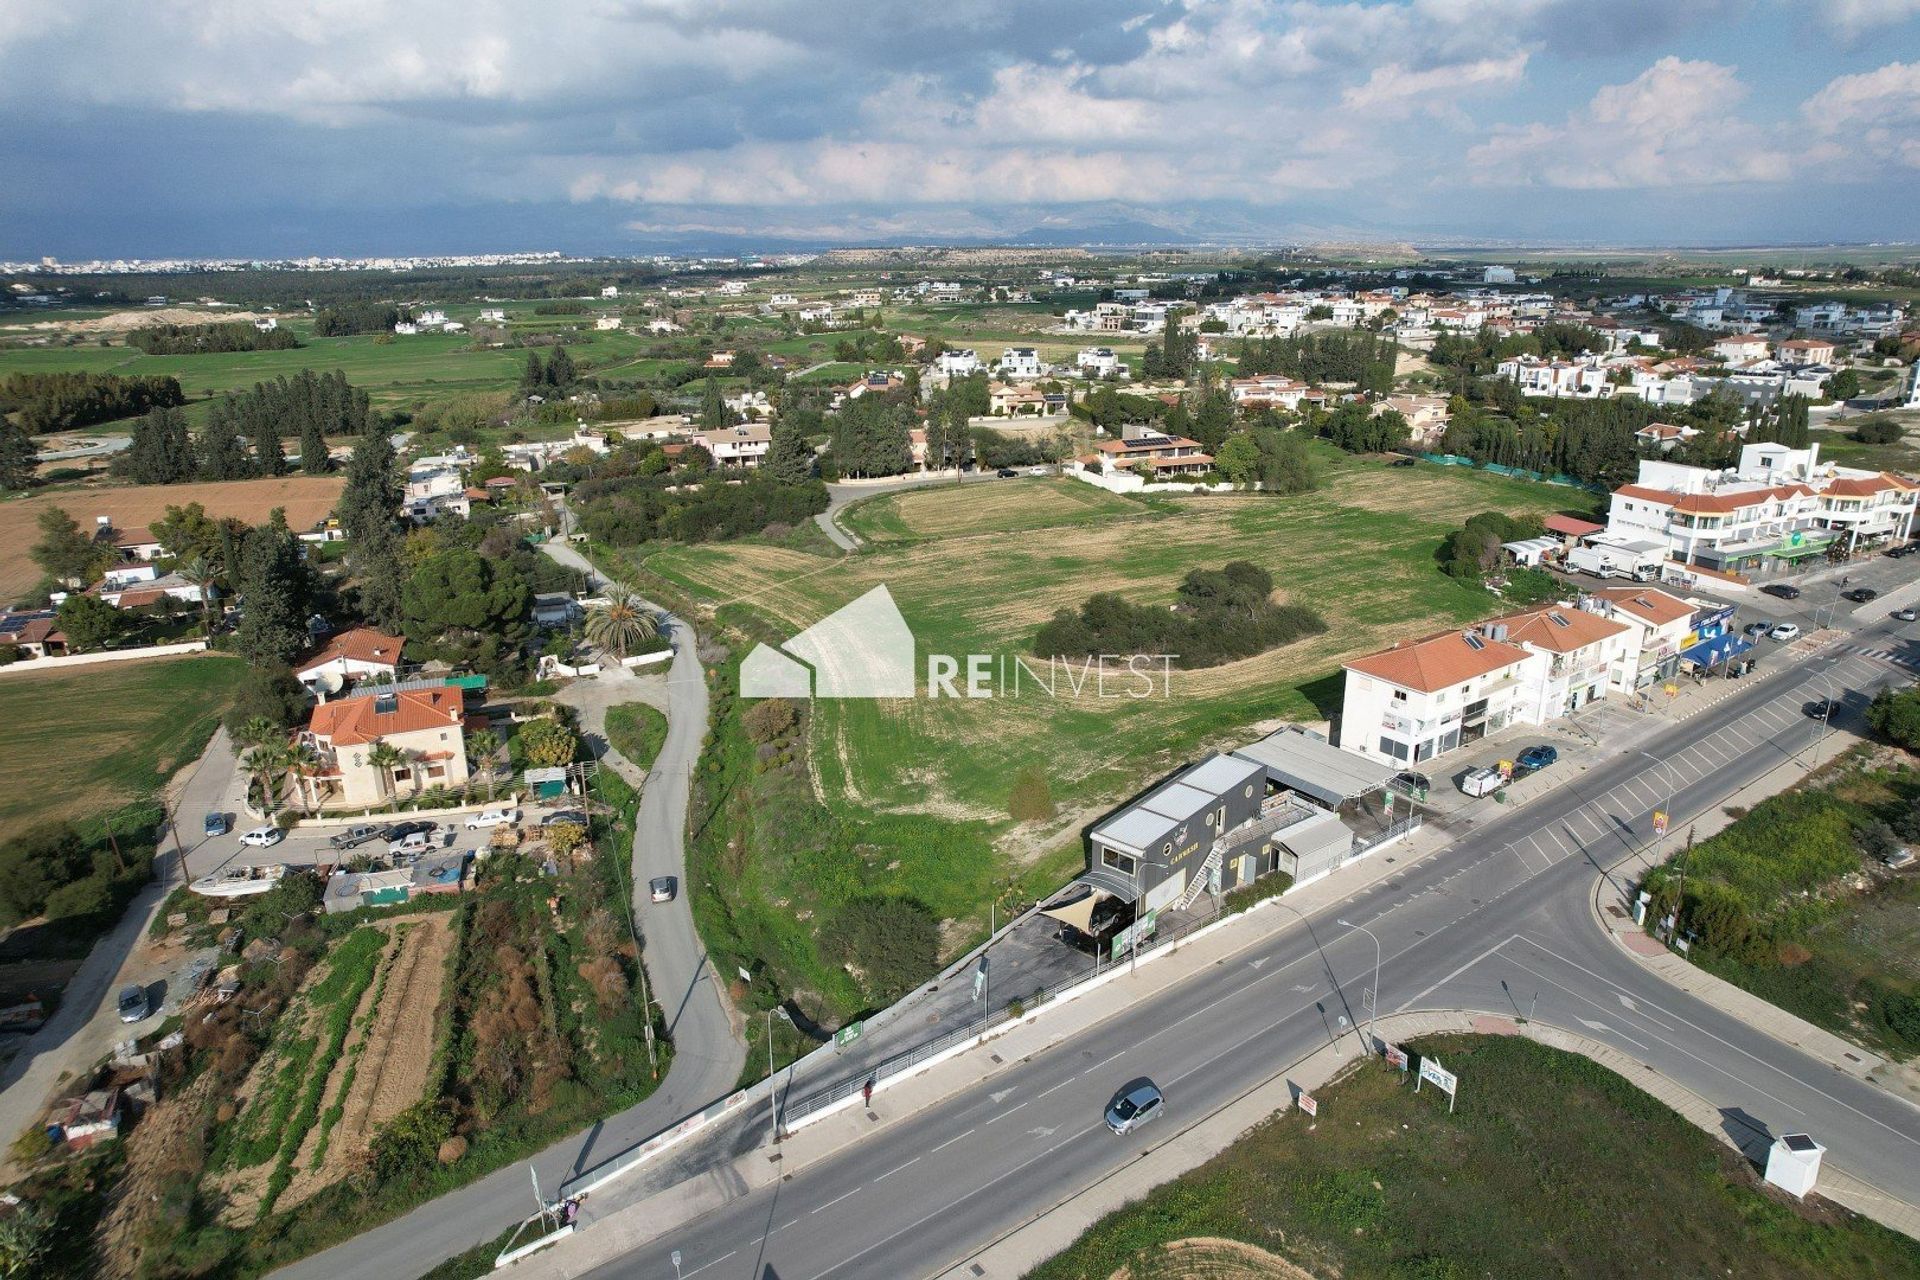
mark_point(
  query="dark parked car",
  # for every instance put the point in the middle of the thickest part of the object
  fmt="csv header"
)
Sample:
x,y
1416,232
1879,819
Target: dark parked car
x,y
1861,595
1416,784
1754,630
401,830
1824,709
1006,473
574,816
216,824
1537,757
133,1004
1782,590
354,837
1402,462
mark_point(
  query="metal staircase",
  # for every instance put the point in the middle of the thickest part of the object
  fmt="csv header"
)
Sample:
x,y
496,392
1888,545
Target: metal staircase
x,y
1202,877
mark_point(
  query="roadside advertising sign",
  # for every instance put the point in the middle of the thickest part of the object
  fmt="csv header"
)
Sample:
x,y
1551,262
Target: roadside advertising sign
x,y
1308,1105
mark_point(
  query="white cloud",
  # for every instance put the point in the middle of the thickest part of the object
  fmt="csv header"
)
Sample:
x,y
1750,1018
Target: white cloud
x,y
1853,18
1869,115
1673,125
1396,88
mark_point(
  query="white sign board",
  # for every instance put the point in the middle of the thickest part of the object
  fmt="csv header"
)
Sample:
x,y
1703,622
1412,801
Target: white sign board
x,y
1309,1105
1441,1078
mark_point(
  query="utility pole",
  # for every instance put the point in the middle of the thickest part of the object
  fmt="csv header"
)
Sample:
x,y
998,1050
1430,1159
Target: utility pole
x,y
640,957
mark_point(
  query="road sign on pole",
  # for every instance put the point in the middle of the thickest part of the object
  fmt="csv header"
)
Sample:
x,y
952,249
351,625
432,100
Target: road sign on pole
x,y
1397,1057
848,1034
1659,822
1308,1105
745,974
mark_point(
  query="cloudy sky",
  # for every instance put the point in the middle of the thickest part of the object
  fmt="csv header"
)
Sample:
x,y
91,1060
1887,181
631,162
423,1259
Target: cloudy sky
x,y
361,126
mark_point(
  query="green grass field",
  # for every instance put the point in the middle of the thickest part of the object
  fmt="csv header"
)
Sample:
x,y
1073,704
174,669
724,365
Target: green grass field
x,y
1552,1166
978,574
81,742
637,731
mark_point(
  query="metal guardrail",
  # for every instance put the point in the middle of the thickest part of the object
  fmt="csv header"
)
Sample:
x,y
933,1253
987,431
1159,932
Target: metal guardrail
x,y
799,1108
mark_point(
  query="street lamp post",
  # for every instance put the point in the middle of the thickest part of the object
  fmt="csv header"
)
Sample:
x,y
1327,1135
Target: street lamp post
x,y
1826,714
1373,1017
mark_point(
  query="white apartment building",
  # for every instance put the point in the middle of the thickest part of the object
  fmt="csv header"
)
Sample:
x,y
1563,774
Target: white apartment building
x,y
1422,699
1098,362
1267,390
957,364
1778,506
1021,362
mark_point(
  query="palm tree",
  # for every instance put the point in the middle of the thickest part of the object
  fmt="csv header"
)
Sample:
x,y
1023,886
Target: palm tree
x,y
304,763
257,731
198,570
268,763
384,757
482,744
622,621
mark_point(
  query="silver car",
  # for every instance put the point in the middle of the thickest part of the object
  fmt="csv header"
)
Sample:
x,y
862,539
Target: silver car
x,y
1138,1102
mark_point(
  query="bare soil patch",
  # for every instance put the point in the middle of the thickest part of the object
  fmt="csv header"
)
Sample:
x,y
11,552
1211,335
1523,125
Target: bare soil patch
x,y
167,1141
119,322
306,499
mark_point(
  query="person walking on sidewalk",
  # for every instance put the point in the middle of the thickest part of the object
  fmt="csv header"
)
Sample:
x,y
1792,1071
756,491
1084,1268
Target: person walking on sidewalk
x,y
866,1093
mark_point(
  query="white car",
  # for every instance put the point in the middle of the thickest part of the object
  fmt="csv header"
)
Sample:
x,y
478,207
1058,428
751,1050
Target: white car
x,y
1786,631
263,837
492,818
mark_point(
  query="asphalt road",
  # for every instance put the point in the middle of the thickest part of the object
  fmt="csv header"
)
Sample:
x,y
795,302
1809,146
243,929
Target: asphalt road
x,y
1501,923
840,495
708,1054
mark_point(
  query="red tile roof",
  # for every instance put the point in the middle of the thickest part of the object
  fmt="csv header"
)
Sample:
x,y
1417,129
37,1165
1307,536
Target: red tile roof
x,y
1559,630
1571,527
360,644
1438,662
1656,607
349,722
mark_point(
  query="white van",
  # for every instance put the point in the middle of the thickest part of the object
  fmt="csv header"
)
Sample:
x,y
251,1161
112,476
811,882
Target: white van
x,y
1482,782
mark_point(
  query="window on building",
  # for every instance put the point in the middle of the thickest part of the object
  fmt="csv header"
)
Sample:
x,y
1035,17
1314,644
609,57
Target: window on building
x,y
1118,861
1399,695
1389,747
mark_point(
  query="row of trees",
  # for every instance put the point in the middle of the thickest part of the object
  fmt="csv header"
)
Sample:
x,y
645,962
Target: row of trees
x,y
343,320
242,435
557,373
1267,455
1219,616
1364,359
209,339
647,509
44,402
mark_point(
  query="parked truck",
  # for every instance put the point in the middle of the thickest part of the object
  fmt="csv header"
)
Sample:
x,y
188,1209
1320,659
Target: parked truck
x,y
1611,562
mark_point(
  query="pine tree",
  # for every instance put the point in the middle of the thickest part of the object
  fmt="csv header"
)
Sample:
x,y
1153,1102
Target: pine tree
x,y
314,459
561,374
19,457
713,406
534,376
222,454
160,452
369,511
275,584
789,460
268,457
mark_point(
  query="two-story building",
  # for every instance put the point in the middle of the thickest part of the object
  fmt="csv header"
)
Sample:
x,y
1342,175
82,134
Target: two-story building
x,y
1021,362
360,653
426,726
741,446
1143,446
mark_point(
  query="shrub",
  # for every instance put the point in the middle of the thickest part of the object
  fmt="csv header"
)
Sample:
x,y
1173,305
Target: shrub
x,y
770,719
1896,717
891,943
1878,431
1267,886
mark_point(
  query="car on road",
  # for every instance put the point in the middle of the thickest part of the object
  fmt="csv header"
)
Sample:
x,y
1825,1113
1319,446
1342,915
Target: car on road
x,y
1786,631
1754,630
395,831
215,825
492,818
1006,473
1824,709
1782,590
414,842
660,888
1036,471
1861,595
1904,549
354,837
1905,615
1138,1102
133,1004
1413,783
1537,757
574,816
263,837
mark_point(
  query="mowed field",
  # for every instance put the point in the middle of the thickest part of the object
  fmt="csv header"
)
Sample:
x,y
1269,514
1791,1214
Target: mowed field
x,y
988,508
80,743
1359,551
307,500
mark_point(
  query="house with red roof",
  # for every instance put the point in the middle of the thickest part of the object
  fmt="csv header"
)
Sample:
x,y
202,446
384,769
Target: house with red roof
x,y
360,653
427,726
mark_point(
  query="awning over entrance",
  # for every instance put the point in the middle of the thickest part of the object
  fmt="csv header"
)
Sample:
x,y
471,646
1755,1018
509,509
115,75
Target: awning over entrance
x,y
1315,767
1712,652
1075,907
1800,552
